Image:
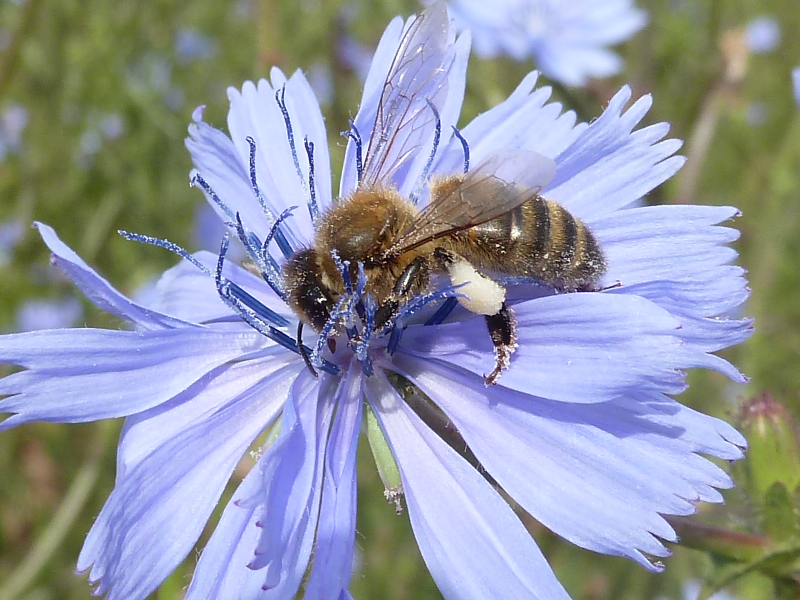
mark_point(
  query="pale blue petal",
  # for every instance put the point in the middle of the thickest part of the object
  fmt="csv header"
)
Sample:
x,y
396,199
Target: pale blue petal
x,y
222,570
656,242
471,540
333,553
146,431
677,257
292,484
580,347
256,113
159,508
77,375
524,121
98,290
216,159
613,464
697,306
607,167
796,84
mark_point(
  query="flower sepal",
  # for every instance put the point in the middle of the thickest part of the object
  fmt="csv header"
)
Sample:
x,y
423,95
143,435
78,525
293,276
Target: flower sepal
x,y
774,454
384,460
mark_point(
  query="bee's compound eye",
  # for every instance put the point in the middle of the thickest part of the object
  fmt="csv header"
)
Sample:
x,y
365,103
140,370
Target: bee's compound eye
x,y
308,296
316,306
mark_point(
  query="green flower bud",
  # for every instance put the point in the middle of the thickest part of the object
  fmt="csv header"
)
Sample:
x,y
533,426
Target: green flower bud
x,y
774,454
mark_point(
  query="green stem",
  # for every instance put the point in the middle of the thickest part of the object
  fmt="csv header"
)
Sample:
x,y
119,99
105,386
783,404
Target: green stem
x,y
733,545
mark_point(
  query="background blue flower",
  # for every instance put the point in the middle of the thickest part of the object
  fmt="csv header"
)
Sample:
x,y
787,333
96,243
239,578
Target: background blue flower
x,y
567,40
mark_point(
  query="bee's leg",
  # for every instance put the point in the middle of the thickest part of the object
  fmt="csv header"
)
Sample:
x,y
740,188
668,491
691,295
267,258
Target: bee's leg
x,y
414,276
503,331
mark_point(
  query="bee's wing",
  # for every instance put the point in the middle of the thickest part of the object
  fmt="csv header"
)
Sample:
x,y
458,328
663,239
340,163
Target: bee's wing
x,y
498,185
416,78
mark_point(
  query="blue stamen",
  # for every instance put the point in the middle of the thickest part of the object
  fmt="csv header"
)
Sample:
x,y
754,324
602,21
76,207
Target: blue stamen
x,y
361,284
419,302
394,339
275,229
167,245
251,316
397,327
328,329
362,346
465,146
344,270
356,137
312,190
280,99
437,134
197,180
442,312
264,262
280,238
356,304
258,307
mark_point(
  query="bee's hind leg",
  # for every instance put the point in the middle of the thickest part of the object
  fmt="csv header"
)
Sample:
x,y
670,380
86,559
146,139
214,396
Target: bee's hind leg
x,y
503,331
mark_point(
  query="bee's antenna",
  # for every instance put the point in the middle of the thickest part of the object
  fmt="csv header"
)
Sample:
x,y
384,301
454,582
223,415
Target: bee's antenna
x,y
356,137
283,243
465,146
437,135
312,191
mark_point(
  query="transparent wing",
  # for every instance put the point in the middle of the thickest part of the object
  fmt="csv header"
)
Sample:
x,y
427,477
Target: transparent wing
x,y
498,185
415,81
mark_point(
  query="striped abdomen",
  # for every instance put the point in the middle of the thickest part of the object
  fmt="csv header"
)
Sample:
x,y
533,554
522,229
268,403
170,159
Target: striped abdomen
x,y
538,239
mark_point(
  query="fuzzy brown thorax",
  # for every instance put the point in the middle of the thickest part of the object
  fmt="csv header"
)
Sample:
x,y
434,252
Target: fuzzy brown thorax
x,y
361,228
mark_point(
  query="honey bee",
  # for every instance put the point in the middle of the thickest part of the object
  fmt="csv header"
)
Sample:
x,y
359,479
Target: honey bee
x,y
490,219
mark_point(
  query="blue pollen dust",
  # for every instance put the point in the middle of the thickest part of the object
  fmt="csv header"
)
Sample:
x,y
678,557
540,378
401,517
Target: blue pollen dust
x,y
355,312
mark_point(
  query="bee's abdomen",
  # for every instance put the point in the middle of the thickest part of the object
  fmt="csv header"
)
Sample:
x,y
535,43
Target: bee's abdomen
x,y
538,239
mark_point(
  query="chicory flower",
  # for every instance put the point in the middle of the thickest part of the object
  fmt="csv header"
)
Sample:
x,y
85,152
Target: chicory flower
x,y
581,430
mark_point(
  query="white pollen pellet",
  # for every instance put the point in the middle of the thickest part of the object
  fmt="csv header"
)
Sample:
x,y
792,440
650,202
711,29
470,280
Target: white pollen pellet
x,y
482,295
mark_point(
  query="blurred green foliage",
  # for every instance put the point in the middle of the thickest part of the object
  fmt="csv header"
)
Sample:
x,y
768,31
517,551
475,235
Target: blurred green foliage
x,y
108,90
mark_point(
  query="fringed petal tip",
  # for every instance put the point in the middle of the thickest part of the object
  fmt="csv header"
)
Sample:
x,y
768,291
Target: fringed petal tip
x,y
197,113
